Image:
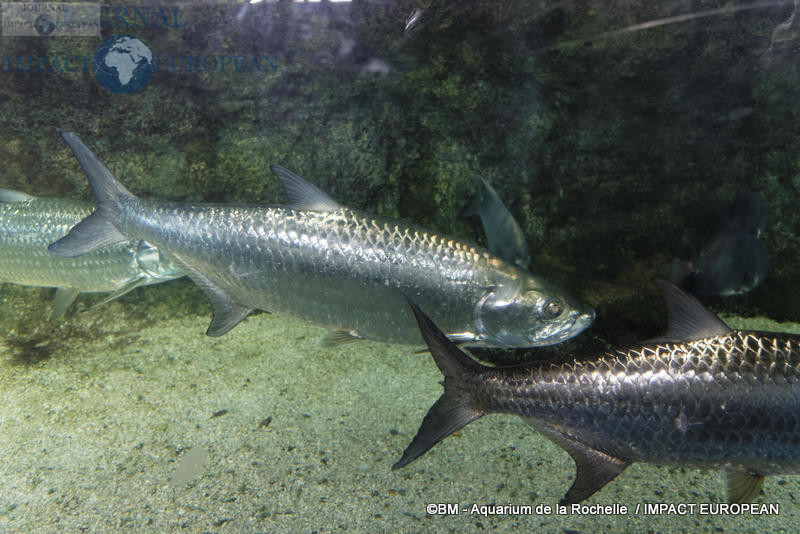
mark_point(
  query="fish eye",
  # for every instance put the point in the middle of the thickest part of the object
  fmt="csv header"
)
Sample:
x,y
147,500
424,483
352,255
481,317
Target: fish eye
x,y
552,309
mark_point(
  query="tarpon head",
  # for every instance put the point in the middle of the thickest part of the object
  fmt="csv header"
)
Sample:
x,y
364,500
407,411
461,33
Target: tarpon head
x,y
155,264
523,311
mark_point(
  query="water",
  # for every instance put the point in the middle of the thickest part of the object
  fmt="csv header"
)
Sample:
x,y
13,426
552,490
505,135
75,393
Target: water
x,y
609,130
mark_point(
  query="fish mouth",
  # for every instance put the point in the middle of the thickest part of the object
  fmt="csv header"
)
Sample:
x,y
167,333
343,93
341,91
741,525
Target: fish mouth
x,y
584,320
577,322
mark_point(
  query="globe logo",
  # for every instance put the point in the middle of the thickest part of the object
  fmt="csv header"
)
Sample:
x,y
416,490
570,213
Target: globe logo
x,y
44,24
123,64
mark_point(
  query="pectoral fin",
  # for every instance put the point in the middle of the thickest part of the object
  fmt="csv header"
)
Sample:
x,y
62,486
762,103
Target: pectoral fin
x,y
65,296
340,336
595,468
133,284
743,486
461,338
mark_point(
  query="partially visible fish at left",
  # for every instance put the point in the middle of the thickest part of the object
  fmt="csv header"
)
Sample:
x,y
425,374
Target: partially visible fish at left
x,y
29,224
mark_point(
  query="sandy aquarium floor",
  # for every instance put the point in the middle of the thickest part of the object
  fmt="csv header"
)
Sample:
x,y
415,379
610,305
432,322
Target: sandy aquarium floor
x,y
127,417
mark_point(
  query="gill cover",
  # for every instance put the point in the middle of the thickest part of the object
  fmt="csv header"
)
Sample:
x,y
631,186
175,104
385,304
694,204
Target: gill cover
x,y
505,316
154,264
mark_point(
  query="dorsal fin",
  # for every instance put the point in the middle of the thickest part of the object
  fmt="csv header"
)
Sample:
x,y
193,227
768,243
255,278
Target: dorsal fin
x,y
503,233
688,319
304,195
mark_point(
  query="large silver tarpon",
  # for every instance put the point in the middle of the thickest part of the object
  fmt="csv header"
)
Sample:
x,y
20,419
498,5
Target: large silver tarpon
x,y
701,396
330,265
29,224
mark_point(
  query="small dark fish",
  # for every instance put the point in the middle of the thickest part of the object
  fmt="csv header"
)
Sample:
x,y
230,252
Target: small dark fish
x,y
734,260
748,214
503,234
265,422
702,396
783,35
739,113
733,264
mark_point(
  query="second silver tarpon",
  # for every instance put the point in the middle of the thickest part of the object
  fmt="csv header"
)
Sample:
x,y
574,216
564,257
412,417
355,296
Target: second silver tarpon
x,y
29,224
335,267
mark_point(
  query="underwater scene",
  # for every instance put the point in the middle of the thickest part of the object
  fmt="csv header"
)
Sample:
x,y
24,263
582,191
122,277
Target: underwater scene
x,y
400,266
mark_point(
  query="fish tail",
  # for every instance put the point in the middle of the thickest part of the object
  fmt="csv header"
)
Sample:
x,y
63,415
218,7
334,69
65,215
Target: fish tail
x,y
456,407
97,230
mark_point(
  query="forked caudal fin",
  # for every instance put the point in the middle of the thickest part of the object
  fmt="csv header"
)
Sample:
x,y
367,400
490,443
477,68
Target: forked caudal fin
x,y
455,407
97,230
